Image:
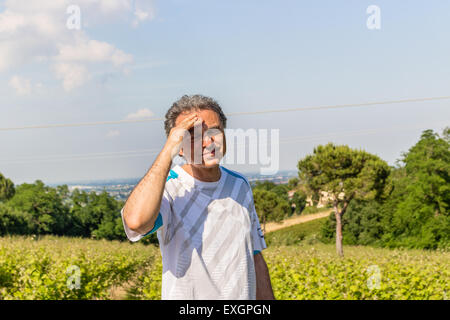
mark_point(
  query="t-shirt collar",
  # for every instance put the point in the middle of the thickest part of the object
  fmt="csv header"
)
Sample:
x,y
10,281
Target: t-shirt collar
x,y
193,182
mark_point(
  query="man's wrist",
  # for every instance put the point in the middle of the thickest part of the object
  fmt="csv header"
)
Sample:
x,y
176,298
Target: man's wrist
x,y
171,148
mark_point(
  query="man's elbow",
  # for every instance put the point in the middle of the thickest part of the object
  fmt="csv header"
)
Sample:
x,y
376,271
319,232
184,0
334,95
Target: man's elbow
x,y
133,222
134,226
137,224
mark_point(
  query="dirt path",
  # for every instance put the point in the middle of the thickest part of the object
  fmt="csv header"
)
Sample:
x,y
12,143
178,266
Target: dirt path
x,y
273,226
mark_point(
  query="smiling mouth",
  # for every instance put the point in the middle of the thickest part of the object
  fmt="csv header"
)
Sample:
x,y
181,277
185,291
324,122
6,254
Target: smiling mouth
x,y
212,153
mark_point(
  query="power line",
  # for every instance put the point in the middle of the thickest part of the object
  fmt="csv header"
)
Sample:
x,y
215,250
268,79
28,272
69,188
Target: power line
x,y
84,124
154,151
87,157
339,106
57,157
359,132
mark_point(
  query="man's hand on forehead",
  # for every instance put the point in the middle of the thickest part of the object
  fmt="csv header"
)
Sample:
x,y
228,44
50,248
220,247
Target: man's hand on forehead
x,y
196,131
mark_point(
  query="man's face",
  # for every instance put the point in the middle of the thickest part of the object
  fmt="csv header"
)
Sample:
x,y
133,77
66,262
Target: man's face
x,y
205,145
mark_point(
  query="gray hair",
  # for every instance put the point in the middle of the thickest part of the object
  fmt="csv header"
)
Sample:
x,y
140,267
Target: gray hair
x,y
194,102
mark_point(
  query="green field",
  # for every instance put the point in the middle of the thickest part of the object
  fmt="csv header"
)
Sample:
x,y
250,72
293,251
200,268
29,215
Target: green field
x,y
303,232
31,269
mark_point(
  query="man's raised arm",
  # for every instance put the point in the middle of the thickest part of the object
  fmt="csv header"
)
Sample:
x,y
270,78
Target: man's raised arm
x,y
142,206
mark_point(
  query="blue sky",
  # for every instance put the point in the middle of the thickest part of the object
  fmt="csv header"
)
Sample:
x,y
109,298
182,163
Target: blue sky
x,y
141,56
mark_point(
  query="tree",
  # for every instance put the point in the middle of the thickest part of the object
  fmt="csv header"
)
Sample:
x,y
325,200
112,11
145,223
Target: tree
x,y
86,212
110,227
446,134
40,209
265,185
269,206
293,182
418,210
346,174
428,165
96,215
12,221
44,208
361,224
7,190
282,191
299,199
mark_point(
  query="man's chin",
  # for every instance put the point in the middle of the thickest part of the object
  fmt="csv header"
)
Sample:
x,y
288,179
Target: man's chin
x,y
207,163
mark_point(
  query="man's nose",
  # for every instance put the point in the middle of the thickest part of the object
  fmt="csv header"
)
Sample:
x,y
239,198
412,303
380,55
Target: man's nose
x,y
207,140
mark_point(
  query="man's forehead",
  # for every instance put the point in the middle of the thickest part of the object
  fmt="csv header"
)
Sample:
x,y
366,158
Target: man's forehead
x,y
210,117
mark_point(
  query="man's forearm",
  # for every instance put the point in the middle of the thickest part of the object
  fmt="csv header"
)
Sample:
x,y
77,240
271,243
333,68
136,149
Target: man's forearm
x,y
142,206
263,286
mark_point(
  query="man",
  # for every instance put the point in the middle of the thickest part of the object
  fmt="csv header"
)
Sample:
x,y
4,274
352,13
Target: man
x,y
204,214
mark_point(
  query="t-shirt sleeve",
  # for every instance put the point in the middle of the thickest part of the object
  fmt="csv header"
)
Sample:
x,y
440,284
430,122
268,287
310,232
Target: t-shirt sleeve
x,y
259,243
159,223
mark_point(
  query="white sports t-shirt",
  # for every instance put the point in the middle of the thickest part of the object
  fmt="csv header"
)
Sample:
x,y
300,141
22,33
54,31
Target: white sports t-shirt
x,y
208,233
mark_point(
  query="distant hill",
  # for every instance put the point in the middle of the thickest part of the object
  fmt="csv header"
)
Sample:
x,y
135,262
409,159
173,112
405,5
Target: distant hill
x,y
282,175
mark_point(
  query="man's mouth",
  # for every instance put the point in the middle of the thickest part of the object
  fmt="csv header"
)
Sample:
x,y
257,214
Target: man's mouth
x,y
212,153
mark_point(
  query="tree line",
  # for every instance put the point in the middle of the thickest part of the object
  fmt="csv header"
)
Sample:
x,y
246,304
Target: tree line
x,y
37,209
406,205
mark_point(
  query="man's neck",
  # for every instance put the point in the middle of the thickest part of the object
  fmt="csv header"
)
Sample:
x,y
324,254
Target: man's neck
x,y
203,174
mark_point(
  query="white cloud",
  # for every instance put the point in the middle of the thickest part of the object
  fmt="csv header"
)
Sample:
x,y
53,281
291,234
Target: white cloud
x,y
10,22
34,31
104,7
111,6
144,10
85,50
72,75
112,133
141,15
21,85
140,114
